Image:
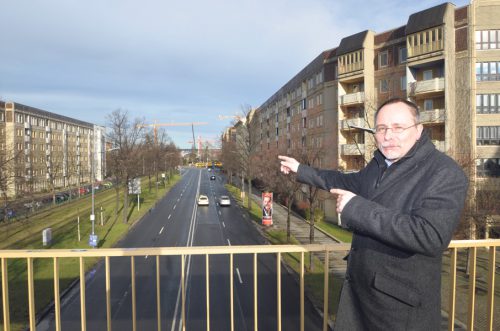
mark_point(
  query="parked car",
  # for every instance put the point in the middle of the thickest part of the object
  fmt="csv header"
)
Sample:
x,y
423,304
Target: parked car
x,y
224,200
203,200
212,177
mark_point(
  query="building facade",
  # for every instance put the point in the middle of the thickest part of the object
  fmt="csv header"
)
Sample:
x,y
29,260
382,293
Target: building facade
x,y
446,59
41,151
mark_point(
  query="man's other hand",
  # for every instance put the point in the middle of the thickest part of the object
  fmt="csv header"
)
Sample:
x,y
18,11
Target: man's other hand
x,y
288,164
343,197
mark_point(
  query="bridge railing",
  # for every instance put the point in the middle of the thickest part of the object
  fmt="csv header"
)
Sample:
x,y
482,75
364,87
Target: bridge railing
x,y
184,252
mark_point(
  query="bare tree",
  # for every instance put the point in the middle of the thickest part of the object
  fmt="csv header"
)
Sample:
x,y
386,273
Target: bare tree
x,y
126,137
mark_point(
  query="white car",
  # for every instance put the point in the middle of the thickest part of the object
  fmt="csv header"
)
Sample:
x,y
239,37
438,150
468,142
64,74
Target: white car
x,y
224,200
202,200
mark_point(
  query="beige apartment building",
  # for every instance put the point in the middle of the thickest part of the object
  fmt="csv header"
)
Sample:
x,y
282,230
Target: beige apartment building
x,y
41,150
445,58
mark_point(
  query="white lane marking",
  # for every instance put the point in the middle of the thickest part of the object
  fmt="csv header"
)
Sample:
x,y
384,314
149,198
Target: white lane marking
x,y
229,243
175,206
146,256
178,199
220,213
169,216
223,224
161,229
239,276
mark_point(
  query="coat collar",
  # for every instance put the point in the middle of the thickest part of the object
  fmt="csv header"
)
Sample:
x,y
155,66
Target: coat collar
x,y
403,167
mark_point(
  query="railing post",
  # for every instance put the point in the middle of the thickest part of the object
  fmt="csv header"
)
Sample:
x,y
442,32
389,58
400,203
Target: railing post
x,y
158,301
231,291
207,286
255,294
83,314
278,285
491,287
31,294
57,300
453,284
325,293
5,295
302,291
132,280
108,296
472,287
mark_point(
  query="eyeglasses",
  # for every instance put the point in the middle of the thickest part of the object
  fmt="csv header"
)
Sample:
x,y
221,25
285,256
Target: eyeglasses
x,y
381,129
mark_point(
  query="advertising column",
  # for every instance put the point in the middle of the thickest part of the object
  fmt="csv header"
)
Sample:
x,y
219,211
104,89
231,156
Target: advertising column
x,y
267,208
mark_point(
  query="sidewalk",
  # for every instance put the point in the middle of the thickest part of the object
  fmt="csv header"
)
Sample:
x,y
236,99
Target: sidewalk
x,y
299,229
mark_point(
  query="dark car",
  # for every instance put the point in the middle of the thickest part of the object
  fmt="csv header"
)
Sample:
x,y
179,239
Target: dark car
x,y
212,177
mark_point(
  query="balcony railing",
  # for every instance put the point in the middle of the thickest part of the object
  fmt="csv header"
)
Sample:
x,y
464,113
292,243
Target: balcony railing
x,y
207,252
352,149
347,124
344,69
425,48
352,98
427,86
432,116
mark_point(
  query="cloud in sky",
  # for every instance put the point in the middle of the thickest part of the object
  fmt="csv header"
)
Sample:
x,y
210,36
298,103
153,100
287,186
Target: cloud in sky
x,y
172,61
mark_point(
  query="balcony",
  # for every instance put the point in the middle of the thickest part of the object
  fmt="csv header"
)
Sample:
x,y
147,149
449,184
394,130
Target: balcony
x,y
479,284
352,98
348,123
347,68
432,116
427,86
431,47
352,149
440,145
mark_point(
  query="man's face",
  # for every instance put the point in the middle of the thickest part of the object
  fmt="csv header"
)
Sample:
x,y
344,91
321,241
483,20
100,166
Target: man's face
x,y
396,145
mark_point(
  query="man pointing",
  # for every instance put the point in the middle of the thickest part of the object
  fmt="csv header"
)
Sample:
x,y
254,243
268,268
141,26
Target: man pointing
x,y
402,209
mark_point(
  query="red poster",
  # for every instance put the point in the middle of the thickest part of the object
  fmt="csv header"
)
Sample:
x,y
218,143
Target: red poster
x,y
267,208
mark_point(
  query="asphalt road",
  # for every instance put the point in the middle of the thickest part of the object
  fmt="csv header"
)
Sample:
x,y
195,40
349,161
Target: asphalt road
x,y
178,221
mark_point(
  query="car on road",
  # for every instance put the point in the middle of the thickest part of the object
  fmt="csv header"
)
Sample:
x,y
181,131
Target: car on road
x,y
203,200
224,200
212,177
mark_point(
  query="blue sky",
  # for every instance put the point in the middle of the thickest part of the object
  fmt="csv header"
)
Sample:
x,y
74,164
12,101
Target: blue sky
x,y
172,61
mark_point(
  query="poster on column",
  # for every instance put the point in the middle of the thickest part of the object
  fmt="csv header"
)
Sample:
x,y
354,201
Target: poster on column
x,y
267,208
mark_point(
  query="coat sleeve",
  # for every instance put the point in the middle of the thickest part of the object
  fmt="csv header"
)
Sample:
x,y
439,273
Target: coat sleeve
x,y
328,179
427,229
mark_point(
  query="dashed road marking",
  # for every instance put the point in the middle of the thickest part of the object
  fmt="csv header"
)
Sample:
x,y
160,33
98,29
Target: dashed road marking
x,y
229,243
239,276
223,224
169,216
175,206
161,229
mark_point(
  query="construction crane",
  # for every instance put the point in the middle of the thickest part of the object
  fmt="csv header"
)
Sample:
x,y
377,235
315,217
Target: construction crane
x,y
156,125
225,117
200,143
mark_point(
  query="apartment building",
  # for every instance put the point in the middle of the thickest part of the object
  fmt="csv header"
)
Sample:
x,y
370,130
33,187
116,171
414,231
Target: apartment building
x,y
41,150
446,59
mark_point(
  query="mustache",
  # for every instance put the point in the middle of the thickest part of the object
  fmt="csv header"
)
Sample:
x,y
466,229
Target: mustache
x,y
385,145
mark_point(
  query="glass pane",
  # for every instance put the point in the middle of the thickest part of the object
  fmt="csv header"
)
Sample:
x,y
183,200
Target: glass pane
x,y
484,36
493,36
493,100
485,100
479,100
493,68
478,36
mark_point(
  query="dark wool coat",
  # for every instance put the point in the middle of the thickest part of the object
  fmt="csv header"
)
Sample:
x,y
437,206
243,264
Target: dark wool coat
x,y
403,218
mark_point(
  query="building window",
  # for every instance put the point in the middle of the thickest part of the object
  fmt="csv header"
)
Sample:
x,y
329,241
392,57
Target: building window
x,y
428,104
488,135
402,54
488,39
384,85
427,75
486,71
304,122
487,103
402,82
383,59
488,167
304,104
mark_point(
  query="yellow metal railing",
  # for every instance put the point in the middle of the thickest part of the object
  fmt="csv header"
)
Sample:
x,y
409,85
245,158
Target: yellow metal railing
x,y
184,252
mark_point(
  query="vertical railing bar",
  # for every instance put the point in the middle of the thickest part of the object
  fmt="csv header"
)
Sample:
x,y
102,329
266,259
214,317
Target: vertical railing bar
x,y
5,295
207,285
158,298
302,291
134,306
231,291
108,295
472,287
57,299
31,294
183,287
278,285
255,293
453,283
491,287
325,291
82,295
